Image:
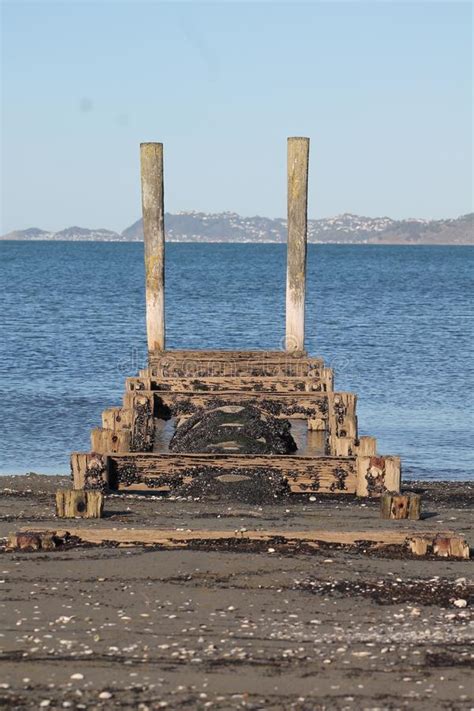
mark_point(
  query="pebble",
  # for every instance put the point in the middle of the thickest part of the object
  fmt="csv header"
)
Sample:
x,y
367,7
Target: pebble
x,y
460,603
271,550
77,676
105,695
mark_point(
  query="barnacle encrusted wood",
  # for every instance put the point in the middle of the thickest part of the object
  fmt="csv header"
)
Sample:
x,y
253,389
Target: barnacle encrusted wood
x,y
235,429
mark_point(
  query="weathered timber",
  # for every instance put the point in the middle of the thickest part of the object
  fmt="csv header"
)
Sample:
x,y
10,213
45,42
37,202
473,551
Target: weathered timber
x,y
169,538
226,355
443,545
242,384
79,503
342,420
151,157
143,427
116,418
105,440
367,446
33,540
400,506
89,470
297,405
174,367
298,160
164,472
342,446
378,474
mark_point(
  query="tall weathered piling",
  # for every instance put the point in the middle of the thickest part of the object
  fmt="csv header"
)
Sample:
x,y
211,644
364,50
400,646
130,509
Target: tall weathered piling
x,y
298,158
151,158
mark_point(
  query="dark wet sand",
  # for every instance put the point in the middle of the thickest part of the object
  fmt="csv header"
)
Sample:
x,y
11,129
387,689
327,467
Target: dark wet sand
x,y
197,629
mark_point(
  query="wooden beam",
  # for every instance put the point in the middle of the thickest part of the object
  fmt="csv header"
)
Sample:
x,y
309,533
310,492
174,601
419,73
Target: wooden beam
x,y
151,155
301,405
178,354
298,159
46,539
163,472
276,384
187,367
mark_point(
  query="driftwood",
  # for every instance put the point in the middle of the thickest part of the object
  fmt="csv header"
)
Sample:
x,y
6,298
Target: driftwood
x,y
399,506
77,503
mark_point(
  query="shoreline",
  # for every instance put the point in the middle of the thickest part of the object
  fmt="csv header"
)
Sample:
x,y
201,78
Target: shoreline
x,y
147,628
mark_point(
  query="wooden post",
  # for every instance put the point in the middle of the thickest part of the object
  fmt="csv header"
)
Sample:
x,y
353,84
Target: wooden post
x,y
298,157
77,503
151,155
400,506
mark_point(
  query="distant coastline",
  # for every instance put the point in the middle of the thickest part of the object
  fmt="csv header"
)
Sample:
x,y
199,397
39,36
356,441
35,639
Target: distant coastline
x,y
228,227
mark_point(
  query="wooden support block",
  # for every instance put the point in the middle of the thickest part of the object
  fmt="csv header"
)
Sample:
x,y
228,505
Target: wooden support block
x,y
89,470
376,475
443,545
399,506
31,541
116,418
105,440
78,503
316,424
341,446
450,546
327,379
367,446
342,418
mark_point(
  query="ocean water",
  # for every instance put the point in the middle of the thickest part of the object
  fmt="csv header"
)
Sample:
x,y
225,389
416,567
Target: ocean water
x,y
394,322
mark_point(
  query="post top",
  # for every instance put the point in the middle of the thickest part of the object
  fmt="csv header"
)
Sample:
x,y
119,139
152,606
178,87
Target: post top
x,y
151,143
298,138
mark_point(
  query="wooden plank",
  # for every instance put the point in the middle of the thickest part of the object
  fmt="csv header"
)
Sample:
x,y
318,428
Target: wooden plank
x,y
201,367
298,161
151,158
175,404
170,538
312,383
226,355
336,475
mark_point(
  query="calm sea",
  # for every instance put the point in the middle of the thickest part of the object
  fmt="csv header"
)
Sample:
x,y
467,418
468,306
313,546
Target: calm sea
x,y
394,323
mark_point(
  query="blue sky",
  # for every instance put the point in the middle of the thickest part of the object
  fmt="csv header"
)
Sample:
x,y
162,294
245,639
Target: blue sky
x,y
384,90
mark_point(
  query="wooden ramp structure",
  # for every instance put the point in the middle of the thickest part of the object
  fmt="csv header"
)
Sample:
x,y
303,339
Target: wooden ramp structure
x,y
130,451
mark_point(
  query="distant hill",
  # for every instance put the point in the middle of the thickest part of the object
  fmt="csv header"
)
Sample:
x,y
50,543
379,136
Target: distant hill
x,y
230,227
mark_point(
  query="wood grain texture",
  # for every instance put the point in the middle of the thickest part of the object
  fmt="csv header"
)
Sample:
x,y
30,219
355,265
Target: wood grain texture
x,y
170,538
336,475
78,503
151,158
298,405
298,162
313,383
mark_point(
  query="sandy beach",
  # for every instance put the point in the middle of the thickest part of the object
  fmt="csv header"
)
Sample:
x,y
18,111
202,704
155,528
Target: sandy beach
x,y
139,627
